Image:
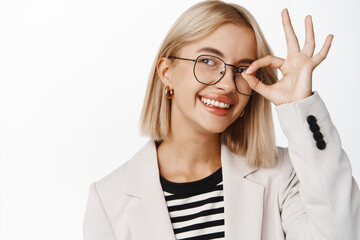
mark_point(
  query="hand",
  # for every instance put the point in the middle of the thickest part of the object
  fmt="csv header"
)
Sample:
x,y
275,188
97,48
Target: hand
x,y
297,68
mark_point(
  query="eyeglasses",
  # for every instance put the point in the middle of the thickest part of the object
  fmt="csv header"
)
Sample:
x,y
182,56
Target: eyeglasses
x,y
209,70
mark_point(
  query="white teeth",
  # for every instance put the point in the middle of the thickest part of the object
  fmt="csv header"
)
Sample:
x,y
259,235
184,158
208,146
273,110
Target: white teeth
x,y
215,103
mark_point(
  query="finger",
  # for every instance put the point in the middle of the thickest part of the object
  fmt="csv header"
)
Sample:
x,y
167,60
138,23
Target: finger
x,y
291,39
266,61
257,86
309,45
318,58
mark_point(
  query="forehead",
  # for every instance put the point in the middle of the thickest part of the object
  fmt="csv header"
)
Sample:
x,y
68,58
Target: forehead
x,y
234,41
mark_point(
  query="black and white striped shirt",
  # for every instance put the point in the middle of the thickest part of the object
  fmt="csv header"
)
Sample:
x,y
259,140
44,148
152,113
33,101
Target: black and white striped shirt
x,y
196,209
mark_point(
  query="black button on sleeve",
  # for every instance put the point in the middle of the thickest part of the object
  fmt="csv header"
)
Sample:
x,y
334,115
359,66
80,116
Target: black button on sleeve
x,y
318,136
321,145
314,128
311,120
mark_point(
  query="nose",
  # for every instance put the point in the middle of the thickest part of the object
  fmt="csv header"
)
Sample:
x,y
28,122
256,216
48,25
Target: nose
x,y
227,81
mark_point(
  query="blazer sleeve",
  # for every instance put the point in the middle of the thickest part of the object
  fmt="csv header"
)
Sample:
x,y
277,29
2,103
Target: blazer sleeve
x,y
318,196
96,223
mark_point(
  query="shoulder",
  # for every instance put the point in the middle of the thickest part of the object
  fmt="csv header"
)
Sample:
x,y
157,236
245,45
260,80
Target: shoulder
x,y
114,178
122,180
109,188
279,171
284,163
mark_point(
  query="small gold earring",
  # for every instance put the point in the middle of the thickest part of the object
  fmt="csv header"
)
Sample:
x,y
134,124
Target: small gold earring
x,y
169,92
242,113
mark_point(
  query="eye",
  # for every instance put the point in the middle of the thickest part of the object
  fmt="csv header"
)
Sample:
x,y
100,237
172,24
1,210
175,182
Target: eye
x,y
207,61
242,69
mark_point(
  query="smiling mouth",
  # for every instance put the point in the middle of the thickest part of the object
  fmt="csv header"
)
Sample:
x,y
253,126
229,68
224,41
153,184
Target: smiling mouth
x,y
215,104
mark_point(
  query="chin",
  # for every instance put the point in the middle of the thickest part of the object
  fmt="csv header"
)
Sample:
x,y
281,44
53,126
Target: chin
x,y
215,127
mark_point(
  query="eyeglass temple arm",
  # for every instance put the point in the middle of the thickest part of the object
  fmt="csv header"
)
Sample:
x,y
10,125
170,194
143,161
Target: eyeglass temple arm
x,y
187,59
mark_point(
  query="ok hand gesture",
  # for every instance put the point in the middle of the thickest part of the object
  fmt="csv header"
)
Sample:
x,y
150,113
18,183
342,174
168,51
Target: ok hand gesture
x,y
297,68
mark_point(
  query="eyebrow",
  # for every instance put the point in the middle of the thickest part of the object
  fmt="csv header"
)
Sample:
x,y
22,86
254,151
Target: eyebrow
x,y
220,54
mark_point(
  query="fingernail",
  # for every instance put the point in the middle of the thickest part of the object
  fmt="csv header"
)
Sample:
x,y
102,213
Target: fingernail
x,y
248,70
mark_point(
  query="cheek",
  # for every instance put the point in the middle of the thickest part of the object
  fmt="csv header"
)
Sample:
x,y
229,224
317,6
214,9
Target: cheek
x,y
186,93
185,85
243,101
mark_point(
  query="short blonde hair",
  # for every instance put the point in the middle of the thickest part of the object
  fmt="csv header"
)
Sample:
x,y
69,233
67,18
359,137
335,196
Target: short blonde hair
x,y
251,135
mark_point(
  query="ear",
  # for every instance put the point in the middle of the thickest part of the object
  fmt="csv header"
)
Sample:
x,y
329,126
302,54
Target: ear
x,y
163,70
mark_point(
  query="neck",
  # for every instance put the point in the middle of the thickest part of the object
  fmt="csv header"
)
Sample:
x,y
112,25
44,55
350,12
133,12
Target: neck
x,y
188,155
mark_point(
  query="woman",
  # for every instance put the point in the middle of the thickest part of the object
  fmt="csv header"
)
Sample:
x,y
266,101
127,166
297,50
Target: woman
x,y
211,169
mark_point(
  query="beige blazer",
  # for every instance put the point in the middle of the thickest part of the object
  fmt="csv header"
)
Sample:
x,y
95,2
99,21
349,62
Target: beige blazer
x,y
309,194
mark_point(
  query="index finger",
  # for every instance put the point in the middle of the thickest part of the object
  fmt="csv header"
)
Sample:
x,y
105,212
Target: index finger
x,y
266,61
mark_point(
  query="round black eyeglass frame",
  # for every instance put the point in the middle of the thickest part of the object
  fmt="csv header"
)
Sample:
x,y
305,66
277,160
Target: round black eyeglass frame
x,y
237,69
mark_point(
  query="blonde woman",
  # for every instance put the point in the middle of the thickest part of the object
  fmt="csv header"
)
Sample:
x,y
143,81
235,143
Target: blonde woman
x,y
211,169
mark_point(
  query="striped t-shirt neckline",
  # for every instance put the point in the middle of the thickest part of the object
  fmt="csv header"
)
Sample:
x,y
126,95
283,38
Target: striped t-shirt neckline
x,y
196,208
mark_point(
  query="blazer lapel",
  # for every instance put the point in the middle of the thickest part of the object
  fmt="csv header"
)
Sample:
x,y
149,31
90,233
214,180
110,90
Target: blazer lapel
x,y
149,217
243,199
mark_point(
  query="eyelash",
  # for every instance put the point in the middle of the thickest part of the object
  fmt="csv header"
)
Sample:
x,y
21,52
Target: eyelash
x,y
243,68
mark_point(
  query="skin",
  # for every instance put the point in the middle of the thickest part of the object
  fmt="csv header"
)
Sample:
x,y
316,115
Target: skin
x,y
192,151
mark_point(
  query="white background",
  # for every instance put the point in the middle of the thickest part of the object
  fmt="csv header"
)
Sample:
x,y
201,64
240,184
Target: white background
x,y
72,80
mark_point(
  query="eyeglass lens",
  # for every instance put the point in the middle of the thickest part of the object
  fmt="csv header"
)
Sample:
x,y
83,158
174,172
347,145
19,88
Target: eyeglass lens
x,y
209,70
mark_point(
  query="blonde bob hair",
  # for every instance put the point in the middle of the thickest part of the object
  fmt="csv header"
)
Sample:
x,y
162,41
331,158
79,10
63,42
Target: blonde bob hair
x,y
251,135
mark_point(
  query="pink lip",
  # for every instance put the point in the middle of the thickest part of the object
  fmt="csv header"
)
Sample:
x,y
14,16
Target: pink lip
x,y
220,98
215,110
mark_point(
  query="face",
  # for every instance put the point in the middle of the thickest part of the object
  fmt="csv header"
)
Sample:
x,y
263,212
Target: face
x,y
229,42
